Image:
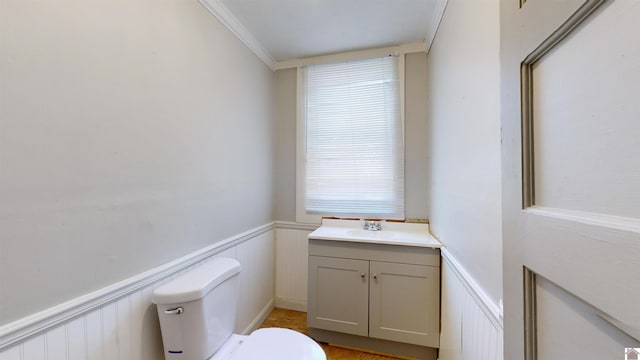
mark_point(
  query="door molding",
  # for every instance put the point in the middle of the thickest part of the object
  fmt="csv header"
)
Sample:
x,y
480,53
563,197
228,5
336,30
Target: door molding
x,y
530,314
526,90
529,31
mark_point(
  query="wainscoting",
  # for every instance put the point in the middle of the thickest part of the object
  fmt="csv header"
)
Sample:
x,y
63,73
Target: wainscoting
x,y
471,322
292,252
120,322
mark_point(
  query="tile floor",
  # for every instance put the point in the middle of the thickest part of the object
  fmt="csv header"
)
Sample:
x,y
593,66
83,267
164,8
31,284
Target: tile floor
x,y
296,320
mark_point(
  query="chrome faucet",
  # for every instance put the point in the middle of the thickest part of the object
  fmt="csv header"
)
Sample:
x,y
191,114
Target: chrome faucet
x,y
372,225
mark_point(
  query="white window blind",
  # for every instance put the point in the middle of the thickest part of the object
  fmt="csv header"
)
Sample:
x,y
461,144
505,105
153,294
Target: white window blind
x,y
354,155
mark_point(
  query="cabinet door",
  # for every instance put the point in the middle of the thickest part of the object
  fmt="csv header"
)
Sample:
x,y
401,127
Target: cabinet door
x,y
405,302
338,295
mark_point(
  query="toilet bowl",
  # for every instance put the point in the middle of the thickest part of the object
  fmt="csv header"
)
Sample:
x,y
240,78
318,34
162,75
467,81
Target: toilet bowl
x,y
270,344
197,314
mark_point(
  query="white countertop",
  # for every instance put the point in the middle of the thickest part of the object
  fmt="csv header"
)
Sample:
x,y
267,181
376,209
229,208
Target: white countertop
x,y
392,233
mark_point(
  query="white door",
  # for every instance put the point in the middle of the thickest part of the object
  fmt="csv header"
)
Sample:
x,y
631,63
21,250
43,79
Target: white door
x,y
571,176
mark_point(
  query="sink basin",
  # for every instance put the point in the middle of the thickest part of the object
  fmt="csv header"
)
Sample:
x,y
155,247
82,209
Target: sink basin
x,y
389,235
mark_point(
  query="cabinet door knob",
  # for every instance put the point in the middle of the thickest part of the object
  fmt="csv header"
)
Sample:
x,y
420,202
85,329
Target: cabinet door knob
x,y
362,275
375,276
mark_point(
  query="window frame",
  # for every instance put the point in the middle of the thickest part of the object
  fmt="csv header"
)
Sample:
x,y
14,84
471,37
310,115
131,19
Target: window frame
x,y
301,214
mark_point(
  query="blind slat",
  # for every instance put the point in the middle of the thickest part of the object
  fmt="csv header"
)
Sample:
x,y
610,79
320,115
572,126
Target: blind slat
x,y
354,141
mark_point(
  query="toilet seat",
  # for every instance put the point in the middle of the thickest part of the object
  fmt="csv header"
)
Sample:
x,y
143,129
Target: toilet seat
x,y
276,344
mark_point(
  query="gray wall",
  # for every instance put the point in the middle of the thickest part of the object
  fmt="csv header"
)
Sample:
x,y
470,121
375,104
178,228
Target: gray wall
x,y
131,133
417,138
463,105
285,145
416,146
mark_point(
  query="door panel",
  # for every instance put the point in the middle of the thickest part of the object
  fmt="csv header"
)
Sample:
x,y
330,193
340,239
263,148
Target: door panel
x,y
560,313
571,169
586,133
404,303
338,295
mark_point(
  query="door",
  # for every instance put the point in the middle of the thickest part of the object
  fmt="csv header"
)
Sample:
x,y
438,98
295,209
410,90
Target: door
x,y
338,295
571,178
404,303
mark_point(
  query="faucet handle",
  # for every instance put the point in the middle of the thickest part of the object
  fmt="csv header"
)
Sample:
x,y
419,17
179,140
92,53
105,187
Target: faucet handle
x,y
372,225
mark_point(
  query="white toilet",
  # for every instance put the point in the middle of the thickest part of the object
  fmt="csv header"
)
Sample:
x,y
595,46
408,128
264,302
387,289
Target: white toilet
x,y
197,314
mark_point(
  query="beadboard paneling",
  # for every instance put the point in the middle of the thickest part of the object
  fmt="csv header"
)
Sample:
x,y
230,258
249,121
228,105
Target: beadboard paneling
x,y
292,252
34,348
57,344
75,339
469,330
127,328
257,257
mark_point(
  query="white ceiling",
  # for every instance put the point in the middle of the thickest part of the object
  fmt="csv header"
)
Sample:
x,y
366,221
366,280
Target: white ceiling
x,y
289,29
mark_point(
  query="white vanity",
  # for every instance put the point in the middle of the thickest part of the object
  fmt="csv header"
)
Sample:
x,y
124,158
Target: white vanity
x,y
377,290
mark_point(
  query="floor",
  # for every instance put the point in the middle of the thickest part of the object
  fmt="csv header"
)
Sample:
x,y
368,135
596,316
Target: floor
x,y
296,320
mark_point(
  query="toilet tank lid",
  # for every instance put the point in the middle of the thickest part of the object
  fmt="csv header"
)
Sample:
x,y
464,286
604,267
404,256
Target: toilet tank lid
x,y
196,283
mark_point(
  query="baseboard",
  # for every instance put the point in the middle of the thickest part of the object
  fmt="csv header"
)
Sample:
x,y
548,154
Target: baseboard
x,y
262,316
291,304
382,346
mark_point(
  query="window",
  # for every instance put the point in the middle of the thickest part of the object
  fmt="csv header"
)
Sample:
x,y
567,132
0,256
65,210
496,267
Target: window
x,y
351,141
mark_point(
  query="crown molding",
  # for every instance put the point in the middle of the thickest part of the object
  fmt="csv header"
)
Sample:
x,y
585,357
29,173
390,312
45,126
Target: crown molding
x,y
434,24
351,55
225,16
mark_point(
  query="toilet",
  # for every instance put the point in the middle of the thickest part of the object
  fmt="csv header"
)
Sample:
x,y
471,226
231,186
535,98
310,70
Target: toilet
x,y
197,313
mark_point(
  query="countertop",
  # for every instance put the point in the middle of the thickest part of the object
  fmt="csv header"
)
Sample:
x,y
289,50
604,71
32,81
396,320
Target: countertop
x,y
392,233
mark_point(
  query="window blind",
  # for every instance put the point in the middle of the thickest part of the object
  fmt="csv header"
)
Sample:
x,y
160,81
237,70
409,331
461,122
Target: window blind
x,y
354,139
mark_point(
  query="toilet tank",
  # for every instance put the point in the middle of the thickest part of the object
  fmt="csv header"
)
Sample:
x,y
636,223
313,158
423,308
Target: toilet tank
x,y
197,310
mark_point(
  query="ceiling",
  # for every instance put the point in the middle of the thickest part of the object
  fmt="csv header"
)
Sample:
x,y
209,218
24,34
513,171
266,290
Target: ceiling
x,y
280,30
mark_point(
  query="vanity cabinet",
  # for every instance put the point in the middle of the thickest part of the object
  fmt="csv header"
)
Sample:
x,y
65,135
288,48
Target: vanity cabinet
x,y
379,291
338,295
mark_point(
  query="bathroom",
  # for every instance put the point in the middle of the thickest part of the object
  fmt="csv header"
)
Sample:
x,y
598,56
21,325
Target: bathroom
x,y
138,141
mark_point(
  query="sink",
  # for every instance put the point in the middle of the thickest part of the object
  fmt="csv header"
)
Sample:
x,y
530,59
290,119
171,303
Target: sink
x,y
392,233
389,235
